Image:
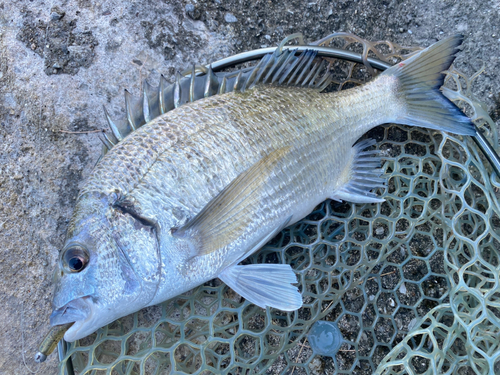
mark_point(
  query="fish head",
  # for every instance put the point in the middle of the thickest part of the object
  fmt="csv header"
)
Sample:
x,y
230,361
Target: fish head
x,y
109,266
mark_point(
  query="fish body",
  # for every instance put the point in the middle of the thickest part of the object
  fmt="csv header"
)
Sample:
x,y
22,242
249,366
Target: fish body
x,y
186,197
169,170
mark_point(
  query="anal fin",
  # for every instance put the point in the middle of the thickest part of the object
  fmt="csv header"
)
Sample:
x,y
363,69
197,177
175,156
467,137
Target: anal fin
x,y
265,285
364,176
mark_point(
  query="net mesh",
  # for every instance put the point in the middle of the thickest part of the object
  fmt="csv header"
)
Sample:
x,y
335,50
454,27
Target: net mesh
x,y
412,283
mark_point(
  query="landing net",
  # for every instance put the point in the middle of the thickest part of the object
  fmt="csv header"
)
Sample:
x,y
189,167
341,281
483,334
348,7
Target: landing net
x,y
412,283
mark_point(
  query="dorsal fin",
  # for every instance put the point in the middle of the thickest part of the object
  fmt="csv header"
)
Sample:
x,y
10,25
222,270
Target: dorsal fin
x,y
283,67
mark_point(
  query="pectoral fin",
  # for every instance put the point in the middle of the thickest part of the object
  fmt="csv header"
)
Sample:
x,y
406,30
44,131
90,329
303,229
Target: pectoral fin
x,y
227,215
265,285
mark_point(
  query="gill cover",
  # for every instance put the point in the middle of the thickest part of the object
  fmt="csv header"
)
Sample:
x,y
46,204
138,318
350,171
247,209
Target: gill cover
x,y
121,274
137,240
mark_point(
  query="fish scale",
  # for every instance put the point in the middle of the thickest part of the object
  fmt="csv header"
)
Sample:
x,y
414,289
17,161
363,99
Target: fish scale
x,y
187,196
248,133
254,123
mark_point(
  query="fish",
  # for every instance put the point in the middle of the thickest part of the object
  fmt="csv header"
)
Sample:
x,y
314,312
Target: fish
x,y
188,196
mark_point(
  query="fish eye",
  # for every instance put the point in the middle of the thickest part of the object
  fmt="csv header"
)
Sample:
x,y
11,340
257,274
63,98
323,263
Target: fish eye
x,y
75,258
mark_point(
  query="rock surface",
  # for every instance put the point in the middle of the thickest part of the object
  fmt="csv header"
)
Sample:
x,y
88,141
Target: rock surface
x,y
60,61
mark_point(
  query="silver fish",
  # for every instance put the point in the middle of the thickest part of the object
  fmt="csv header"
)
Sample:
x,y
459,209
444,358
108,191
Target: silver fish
x,y
186,197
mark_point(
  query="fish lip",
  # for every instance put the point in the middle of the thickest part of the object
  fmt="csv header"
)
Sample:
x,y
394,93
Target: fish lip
x,y
78,310
82,312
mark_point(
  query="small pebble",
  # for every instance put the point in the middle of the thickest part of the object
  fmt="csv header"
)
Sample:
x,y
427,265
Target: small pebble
x,y
230,18
316,366
56,14
193,12
402,289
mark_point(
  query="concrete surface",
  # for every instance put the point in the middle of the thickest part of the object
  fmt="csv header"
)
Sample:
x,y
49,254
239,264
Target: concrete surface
x,y
61,60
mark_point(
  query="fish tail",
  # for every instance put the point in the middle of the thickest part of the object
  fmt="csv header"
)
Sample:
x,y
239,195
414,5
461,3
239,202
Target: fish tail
x,y
418,80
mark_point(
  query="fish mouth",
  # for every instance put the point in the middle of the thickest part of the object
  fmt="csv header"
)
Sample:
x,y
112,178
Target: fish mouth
x,y
80,311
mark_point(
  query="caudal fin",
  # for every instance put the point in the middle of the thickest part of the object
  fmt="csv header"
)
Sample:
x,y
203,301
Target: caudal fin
x,y
418,81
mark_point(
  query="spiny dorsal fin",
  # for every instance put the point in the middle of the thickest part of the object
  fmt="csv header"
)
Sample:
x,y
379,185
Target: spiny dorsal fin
x,y
283,67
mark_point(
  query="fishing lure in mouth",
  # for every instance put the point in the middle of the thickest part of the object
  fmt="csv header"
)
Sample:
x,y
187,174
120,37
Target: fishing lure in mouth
x,y
50,342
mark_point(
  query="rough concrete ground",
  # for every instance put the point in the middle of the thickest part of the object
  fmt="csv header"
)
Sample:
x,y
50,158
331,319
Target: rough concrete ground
x,y
60,61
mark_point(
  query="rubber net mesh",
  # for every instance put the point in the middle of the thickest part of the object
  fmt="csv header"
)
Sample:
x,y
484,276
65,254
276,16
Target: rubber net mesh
x,y
412,283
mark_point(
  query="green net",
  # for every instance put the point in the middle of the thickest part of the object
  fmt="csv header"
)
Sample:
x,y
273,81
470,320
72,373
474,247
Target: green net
x,y
412,283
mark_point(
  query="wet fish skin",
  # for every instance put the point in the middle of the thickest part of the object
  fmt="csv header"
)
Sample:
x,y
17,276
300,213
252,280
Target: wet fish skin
x,y
257,161
197,157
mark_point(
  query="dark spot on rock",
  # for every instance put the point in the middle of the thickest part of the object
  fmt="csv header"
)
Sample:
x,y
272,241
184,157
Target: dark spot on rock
x,y
193,12
137,62
171,71
113,22
81,124
251,20
164,36
169,53
61,227
63,49
85,4
112,45
71,179
495,111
